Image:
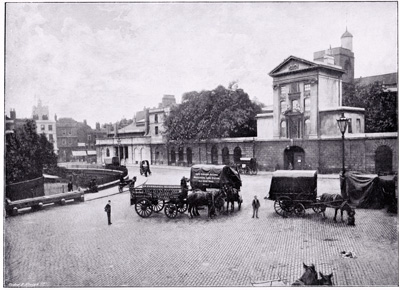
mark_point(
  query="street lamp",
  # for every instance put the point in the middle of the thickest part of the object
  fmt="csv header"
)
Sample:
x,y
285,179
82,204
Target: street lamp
x,y
342,123
119,149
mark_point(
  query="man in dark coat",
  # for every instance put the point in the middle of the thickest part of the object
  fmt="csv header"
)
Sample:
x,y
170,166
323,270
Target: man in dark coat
x,y
256,205
107,209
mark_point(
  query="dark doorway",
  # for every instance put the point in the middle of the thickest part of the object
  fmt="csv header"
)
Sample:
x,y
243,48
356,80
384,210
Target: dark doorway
x,y
189,156
383,160
214,155
225,156
173,157
237,154
294,158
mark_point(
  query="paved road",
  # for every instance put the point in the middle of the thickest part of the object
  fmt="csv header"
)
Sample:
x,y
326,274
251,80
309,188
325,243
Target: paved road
x,y
72,245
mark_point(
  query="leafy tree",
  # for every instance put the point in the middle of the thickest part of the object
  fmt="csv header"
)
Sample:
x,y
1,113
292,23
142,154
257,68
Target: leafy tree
x,y
218,113
28,154
380,105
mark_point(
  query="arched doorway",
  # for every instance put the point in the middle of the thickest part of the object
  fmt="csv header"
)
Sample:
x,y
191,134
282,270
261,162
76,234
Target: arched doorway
x,y
189,156
180,155
293,158
237,154
214,155
225,156
383,159
173,157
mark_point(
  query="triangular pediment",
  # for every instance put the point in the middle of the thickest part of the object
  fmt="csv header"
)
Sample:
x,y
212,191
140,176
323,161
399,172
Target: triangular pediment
x,y
292,64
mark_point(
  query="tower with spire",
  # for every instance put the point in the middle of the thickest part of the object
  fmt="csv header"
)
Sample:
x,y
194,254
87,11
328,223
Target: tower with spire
x,y
343,56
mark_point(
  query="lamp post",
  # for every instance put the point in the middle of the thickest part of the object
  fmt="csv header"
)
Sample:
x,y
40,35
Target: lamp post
x,y
119,149
342,123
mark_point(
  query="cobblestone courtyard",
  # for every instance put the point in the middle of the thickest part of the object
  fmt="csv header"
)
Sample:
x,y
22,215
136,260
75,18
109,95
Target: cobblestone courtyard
x,y
72,245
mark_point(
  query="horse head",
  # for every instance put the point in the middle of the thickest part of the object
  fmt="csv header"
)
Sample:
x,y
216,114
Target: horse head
x,y
326,280
350,213
310,276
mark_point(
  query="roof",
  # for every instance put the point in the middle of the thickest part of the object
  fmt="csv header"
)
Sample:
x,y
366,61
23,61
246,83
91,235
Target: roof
x,y
48,176
294,173
78,153
131,128
306,65
347,34
387,79
91,152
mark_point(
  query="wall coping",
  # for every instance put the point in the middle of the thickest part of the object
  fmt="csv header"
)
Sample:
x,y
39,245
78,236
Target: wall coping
x,y
348,109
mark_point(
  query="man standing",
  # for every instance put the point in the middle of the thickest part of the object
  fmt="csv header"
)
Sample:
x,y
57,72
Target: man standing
x,y
256,205
108,210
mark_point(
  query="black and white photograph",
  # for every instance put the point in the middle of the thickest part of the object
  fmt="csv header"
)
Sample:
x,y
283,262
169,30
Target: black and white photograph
x,y
200,144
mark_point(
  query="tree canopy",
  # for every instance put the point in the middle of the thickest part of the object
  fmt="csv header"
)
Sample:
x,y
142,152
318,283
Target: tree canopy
x,y
28,154
222,112
380,105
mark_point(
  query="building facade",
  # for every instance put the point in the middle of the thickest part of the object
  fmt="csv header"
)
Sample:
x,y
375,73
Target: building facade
x,y
45,124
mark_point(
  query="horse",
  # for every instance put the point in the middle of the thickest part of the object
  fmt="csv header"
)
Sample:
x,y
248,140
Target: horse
x,y
337,202
309,277
326,280
201,198
232,195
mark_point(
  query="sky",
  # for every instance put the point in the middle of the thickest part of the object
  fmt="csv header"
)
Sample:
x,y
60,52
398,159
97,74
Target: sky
x,y
102,62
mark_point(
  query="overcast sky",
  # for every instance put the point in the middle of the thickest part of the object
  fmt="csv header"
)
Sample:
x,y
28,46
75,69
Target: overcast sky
x,y
105,61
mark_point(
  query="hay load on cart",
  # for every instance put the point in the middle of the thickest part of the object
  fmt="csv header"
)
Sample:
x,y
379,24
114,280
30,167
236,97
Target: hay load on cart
x,y
203,176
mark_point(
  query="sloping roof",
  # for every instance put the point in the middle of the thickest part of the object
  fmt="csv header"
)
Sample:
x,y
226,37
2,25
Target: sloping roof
x,y
131,128
387,79
305,65
347,34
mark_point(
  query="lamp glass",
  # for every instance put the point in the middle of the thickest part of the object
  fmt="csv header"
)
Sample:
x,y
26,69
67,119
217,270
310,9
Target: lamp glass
x,y
342,123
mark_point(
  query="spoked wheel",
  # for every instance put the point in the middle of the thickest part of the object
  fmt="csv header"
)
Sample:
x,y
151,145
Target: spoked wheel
x,y
283,206
158,205
299,209
144,208
182,207
171,210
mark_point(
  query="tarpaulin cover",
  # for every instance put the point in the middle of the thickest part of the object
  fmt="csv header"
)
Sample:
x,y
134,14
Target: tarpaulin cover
x,y
367,190
293,182
213,176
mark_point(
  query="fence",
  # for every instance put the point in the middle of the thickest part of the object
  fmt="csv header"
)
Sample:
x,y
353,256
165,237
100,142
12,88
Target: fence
x,y
25,189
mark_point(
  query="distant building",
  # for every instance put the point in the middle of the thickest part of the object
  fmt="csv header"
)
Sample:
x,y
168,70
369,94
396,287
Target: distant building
x,y
140,140
45,124
388,81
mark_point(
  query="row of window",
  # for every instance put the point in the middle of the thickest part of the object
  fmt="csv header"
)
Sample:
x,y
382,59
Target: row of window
x,y
294,88
294,105
43,127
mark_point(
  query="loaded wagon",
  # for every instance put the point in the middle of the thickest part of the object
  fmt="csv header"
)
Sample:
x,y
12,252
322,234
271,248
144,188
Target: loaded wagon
x,y
247,165
294,191
149,198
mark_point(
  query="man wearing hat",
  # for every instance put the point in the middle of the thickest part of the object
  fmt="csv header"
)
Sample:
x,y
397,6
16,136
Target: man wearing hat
x,y
107,209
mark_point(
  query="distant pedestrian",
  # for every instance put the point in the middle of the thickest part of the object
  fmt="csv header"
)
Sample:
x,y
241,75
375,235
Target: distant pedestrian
x,y
107,209
256,205
70,186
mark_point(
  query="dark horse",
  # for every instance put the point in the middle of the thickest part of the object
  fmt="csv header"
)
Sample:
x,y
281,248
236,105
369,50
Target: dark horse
x,y
337,202
232,195
203,198
310,276
326,280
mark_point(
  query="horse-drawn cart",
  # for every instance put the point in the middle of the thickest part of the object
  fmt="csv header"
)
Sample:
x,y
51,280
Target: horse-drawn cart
x,y
247,166
294,191
149,198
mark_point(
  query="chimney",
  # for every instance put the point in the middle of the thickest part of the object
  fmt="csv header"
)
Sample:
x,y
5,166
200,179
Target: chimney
x,y
55,117
146,122
13,114
97,126
116,130
84,122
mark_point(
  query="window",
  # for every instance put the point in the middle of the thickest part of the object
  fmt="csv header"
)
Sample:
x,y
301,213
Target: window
x,y
283,129
294,88
358,125
64,142
156,129
69,132
70,141
349,126
155,118
108,152
50,127
283,107
89,137
45,117
64,132
42,127
307,87
51,137
296,105
307,104
283,92
307,127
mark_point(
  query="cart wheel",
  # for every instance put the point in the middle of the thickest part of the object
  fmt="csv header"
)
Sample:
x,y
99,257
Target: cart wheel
x,y
171,210
283,206
182,207
144,208
299,209
158,205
